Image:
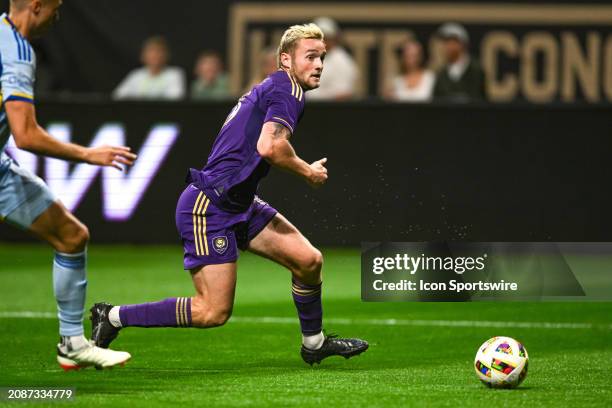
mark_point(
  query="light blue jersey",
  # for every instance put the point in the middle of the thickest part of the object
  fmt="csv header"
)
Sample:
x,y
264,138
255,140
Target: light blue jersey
x,y
17,68
23,195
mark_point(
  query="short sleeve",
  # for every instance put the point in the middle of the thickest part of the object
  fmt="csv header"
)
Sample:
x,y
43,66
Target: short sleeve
x,y
17,70
283,107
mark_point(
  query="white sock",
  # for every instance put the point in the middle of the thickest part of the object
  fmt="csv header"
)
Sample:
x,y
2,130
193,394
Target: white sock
x,y
77,342
113,317
313,342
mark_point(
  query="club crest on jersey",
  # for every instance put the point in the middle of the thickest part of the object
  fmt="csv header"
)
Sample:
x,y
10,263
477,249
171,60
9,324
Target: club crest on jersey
x,y
220,244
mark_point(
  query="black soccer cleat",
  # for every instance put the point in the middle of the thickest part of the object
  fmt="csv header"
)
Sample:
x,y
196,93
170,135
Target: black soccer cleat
x,y
334,346
102,331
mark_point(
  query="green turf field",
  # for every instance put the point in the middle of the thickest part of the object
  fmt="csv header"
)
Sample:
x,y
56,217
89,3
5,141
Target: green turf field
x,y
424,359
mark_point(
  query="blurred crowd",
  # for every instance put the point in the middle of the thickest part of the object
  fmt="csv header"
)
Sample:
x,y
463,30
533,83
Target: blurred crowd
x,y
459,79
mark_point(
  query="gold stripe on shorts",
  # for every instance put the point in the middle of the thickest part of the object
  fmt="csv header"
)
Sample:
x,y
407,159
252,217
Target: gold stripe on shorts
x,y
200,221
204,226
195,222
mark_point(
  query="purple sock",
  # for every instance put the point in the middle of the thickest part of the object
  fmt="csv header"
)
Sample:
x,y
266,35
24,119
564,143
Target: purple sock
x,y
307,299
172,312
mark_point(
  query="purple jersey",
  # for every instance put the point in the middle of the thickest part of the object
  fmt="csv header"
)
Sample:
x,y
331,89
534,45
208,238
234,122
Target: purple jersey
x,y
234,168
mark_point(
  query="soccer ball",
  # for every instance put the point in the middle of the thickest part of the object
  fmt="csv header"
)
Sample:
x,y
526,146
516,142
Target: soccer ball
x,y
501,362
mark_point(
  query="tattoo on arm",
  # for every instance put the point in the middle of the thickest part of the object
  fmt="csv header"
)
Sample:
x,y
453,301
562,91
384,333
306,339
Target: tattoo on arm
x,y
280,131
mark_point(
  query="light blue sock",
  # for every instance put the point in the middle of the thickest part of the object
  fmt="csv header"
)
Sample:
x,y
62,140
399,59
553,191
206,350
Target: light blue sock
x,y
69,286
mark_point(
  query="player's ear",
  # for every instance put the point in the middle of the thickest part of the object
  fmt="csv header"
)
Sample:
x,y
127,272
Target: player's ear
x,y
285,60
36,6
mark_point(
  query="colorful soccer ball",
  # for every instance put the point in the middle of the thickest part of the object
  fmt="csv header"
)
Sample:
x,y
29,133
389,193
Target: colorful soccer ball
x,y
501,362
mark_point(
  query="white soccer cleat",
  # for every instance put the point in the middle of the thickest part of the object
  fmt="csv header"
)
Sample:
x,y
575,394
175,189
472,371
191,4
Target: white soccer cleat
x,y
89,355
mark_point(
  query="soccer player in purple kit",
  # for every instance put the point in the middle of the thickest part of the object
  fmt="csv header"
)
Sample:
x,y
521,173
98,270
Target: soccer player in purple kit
x,y
219,212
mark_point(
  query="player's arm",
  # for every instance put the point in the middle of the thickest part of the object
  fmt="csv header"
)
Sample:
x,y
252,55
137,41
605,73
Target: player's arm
x,y
32,137
274,146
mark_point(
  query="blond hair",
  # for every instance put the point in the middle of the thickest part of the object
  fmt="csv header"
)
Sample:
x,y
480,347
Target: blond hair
x,y
295,33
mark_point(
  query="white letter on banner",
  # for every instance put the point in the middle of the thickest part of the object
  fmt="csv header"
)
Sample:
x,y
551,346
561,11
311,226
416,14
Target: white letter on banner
x,y
123,191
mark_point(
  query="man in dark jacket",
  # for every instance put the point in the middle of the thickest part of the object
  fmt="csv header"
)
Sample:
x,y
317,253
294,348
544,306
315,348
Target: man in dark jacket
x,y
461,79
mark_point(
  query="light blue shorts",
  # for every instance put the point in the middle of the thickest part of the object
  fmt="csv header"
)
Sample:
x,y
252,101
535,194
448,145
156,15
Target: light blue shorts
x,y
23,195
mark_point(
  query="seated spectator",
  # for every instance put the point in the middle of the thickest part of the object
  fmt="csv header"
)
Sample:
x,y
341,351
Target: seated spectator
x,y
461,80
268,64
211,82
340,73
155,80
416,83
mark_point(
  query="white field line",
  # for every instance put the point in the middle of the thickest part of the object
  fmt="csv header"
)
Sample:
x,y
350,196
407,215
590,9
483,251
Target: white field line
x,y
28,315
369,322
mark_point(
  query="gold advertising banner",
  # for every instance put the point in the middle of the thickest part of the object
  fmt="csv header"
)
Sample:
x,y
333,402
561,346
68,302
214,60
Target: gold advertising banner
x,y
537,53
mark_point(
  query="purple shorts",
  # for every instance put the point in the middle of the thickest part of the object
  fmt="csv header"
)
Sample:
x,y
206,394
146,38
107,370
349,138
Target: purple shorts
x,y
211,235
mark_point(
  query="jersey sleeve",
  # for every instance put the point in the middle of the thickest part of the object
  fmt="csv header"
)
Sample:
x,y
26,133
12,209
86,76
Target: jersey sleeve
x,y
17,62
283,106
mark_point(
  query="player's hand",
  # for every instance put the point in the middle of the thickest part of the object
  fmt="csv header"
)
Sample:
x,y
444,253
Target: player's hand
x,y
318,173
111,156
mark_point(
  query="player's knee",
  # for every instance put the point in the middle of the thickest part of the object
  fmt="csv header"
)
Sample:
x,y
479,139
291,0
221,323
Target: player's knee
x,y
205,315
310,266
74,238
313,262
218,317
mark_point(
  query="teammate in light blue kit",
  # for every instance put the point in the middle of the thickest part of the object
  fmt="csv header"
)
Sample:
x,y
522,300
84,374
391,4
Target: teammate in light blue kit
x,y
25,201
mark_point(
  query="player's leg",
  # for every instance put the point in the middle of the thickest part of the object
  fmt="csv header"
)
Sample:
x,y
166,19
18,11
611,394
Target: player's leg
x,y
68,236
61,229
213,271
210,307
35,209
272,236
284,244
215,287
43,216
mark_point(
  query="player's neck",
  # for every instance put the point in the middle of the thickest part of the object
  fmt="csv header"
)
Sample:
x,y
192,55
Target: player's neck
x,y
21,22
288,71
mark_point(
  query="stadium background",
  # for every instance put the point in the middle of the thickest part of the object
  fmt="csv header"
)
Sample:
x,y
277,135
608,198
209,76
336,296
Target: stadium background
x,y
509,170
532,164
